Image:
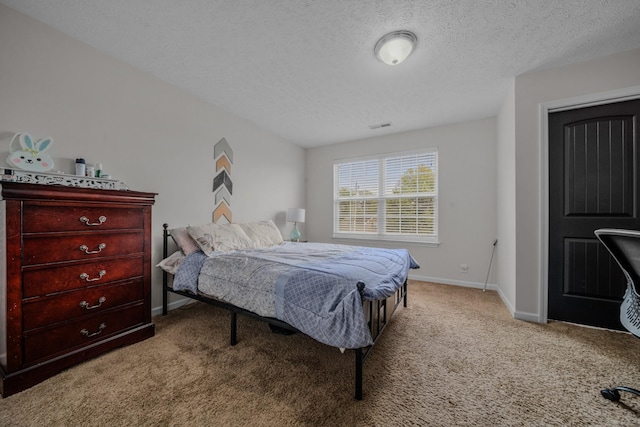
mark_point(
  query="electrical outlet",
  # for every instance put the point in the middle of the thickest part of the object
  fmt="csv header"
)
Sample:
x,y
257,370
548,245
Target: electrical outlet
x,y
464,268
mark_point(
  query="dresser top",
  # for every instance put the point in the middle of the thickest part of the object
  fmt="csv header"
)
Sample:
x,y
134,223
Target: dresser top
x,y
23,191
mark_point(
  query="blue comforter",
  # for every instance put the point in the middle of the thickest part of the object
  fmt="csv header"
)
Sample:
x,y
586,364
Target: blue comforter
x,y
311,286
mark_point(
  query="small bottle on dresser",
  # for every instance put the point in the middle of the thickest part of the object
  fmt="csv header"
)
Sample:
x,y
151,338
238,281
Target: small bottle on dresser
x,y
80,167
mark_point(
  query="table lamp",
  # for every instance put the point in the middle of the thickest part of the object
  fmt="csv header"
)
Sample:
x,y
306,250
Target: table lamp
x,y
295,215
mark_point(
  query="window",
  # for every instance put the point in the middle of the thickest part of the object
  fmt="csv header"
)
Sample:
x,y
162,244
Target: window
x,y
394,197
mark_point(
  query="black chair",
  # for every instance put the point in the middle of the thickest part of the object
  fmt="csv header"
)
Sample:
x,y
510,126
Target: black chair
x,y
624,246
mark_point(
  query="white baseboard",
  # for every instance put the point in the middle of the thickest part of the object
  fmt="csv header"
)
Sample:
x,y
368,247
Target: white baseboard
x,y
463,283
157,311
528,317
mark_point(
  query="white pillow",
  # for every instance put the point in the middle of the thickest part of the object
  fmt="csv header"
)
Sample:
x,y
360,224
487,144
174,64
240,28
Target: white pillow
x,y
219,237
262,234
171,263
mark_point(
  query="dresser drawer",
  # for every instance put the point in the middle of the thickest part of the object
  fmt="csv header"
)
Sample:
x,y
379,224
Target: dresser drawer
x,y
39,218
83,331
69,305
52,279
52,248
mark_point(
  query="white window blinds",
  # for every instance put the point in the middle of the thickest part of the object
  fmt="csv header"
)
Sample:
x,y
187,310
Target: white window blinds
x,y
394,197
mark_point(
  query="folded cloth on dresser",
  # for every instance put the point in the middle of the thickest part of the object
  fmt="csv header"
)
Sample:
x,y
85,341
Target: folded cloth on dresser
x,y
311,286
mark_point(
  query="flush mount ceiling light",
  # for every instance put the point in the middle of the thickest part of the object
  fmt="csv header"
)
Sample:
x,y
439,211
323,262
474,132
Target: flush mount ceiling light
x,y
395,47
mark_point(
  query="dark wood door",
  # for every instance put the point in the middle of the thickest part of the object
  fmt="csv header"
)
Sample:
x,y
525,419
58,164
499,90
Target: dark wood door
x,y
593,183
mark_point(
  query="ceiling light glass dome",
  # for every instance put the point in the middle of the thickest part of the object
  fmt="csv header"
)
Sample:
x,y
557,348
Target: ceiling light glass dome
x,y
395,47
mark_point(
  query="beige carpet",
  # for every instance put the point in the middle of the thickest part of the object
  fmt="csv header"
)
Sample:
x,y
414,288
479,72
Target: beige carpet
x,y
453,357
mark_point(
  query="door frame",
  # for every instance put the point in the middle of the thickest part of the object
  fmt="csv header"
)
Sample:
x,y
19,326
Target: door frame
x,y
600,98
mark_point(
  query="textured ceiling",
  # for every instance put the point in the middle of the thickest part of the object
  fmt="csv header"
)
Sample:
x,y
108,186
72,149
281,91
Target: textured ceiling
x,y
305,69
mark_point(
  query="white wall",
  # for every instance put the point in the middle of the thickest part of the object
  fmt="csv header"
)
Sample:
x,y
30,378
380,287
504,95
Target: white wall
x,y
146,132
506,199
160,139
467,190
609,73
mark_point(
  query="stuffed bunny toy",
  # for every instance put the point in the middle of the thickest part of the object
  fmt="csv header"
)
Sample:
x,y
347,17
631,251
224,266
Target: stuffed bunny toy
x,y
31,157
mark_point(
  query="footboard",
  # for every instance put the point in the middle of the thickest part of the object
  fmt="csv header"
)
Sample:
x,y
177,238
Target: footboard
x,y
377,320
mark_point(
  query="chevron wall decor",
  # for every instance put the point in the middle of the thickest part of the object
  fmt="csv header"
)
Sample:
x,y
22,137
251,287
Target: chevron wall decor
x,y
222,184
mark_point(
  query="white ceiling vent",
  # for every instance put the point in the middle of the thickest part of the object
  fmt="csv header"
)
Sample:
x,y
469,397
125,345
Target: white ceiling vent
x,y
382,125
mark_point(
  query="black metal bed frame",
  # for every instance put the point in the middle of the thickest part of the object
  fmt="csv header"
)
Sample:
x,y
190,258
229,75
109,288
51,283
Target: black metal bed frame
x,y
375,311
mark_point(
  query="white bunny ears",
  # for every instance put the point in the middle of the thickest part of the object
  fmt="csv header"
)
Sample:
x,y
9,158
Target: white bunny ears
x,y
31,156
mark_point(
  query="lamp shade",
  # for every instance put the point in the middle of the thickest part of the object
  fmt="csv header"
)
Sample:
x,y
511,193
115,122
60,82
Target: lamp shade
x,y
395,47
295,215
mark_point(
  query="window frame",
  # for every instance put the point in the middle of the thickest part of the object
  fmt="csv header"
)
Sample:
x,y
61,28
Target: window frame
x,y
381,197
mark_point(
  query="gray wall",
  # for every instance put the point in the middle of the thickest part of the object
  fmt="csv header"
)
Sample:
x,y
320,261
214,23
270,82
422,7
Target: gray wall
x,y
146,132
524,210
160,139
506,195
467,191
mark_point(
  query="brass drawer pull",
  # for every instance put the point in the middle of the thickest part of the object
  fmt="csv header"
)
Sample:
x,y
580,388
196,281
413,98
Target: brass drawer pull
x,y
101,219
86,305
86,333
85,276
85,249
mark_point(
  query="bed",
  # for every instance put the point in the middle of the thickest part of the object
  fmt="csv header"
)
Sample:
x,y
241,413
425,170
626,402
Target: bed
x,y
336,294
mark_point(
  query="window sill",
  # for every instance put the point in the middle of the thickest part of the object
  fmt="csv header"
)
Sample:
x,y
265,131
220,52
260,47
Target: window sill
x,y
388,239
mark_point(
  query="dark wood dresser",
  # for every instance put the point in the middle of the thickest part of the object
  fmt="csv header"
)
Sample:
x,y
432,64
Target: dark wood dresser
x,y
75,277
